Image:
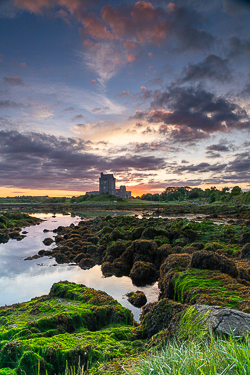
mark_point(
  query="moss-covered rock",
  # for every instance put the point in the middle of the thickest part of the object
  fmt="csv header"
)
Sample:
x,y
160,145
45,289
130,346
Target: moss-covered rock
x,y
211,261
73,323
143,273
195,286
137,299
156,316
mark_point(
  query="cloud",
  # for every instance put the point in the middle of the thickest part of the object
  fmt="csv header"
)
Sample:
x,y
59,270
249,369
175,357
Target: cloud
x,y
212,67
198,168
218,147
103,59
236,7
193,113
14,81
10,104
23,65
42,161
238,46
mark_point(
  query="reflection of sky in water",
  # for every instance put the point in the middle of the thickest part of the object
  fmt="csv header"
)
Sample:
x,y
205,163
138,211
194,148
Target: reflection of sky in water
x,y
22,280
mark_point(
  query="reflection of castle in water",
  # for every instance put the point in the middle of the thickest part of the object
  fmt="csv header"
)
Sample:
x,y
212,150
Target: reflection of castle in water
x,y
107,185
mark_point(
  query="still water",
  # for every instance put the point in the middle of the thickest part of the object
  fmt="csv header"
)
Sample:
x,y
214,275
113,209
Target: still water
x,y
21,280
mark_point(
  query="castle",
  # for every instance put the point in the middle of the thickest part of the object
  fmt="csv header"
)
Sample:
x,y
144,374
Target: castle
x,y
107,185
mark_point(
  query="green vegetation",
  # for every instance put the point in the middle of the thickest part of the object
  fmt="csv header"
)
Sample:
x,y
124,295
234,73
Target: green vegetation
x,y
210,357
72,322
208,195
211,288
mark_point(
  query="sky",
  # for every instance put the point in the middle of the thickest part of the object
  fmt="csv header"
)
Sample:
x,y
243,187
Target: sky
x,y
155,92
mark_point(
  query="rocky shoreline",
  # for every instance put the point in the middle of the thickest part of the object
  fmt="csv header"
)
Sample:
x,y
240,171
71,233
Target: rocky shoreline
x,y
203,271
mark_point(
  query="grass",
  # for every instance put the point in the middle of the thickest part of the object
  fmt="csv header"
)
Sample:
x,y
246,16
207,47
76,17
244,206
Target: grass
x,y
212,357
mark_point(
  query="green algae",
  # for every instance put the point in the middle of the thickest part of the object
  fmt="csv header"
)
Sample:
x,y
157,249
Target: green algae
x,y
210,287
72,322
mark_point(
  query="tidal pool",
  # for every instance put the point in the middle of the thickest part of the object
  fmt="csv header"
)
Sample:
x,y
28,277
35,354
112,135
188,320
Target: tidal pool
x,y
21,280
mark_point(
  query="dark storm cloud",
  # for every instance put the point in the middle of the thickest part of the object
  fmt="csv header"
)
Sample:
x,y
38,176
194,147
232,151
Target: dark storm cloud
x,y
14,81
212,67
194,113
41,161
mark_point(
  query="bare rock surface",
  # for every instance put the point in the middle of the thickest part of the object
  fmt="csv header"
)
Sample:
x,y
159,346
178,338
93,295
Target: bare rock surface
x,y
223,320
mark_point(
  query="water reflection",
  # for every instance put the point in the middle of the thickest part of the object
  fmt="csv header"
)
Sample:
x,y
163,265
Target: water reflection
x,y
22,280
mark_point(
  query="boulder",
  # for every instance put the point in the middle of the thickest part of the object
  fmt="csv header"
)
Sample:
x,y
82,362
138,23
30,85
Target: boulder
x,y
137,299
121,268
48,241
245,251
156,316
245,238
107,269
136,233
86,263
116,235
79,257
222,320
212,261
61,258
162,253
145,248
175,261
143,273
116,249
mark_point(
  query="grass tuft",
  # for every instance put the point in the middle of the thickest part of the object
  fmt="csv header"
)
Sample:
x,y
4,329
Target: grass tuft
x,y
210,357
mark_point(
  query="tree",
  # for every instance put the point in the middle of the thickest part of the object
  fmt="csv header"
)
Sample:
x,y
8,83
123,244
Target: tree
x,y
236,190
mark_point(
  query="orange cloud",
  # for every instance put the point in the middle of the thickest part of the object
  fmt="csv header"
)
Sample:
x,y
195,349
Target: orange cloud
x,y
130,58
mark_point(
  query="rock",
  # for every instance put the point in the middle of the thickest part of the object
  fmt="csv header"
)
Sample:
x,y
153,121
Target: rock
x,y
162,253
61,258
143,273
59,239
116,249
145,248
45,230
79,257
48,241
107,269
14,235
245,238
4,236
245,251
86,263
116,235
121,268
156,316
222,320
198,245
137,299
149,233
136,233
175,261
44,253
106,230
212,261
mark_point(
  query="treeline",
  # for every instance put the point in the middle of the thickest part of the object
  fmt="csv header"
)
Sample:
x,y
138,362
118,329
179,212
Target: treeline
x,y
26,199
95,198
236,195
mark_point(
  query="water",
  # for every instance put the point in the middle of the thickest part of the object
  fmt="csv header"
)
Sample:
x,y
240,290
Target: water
x,y
21,280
